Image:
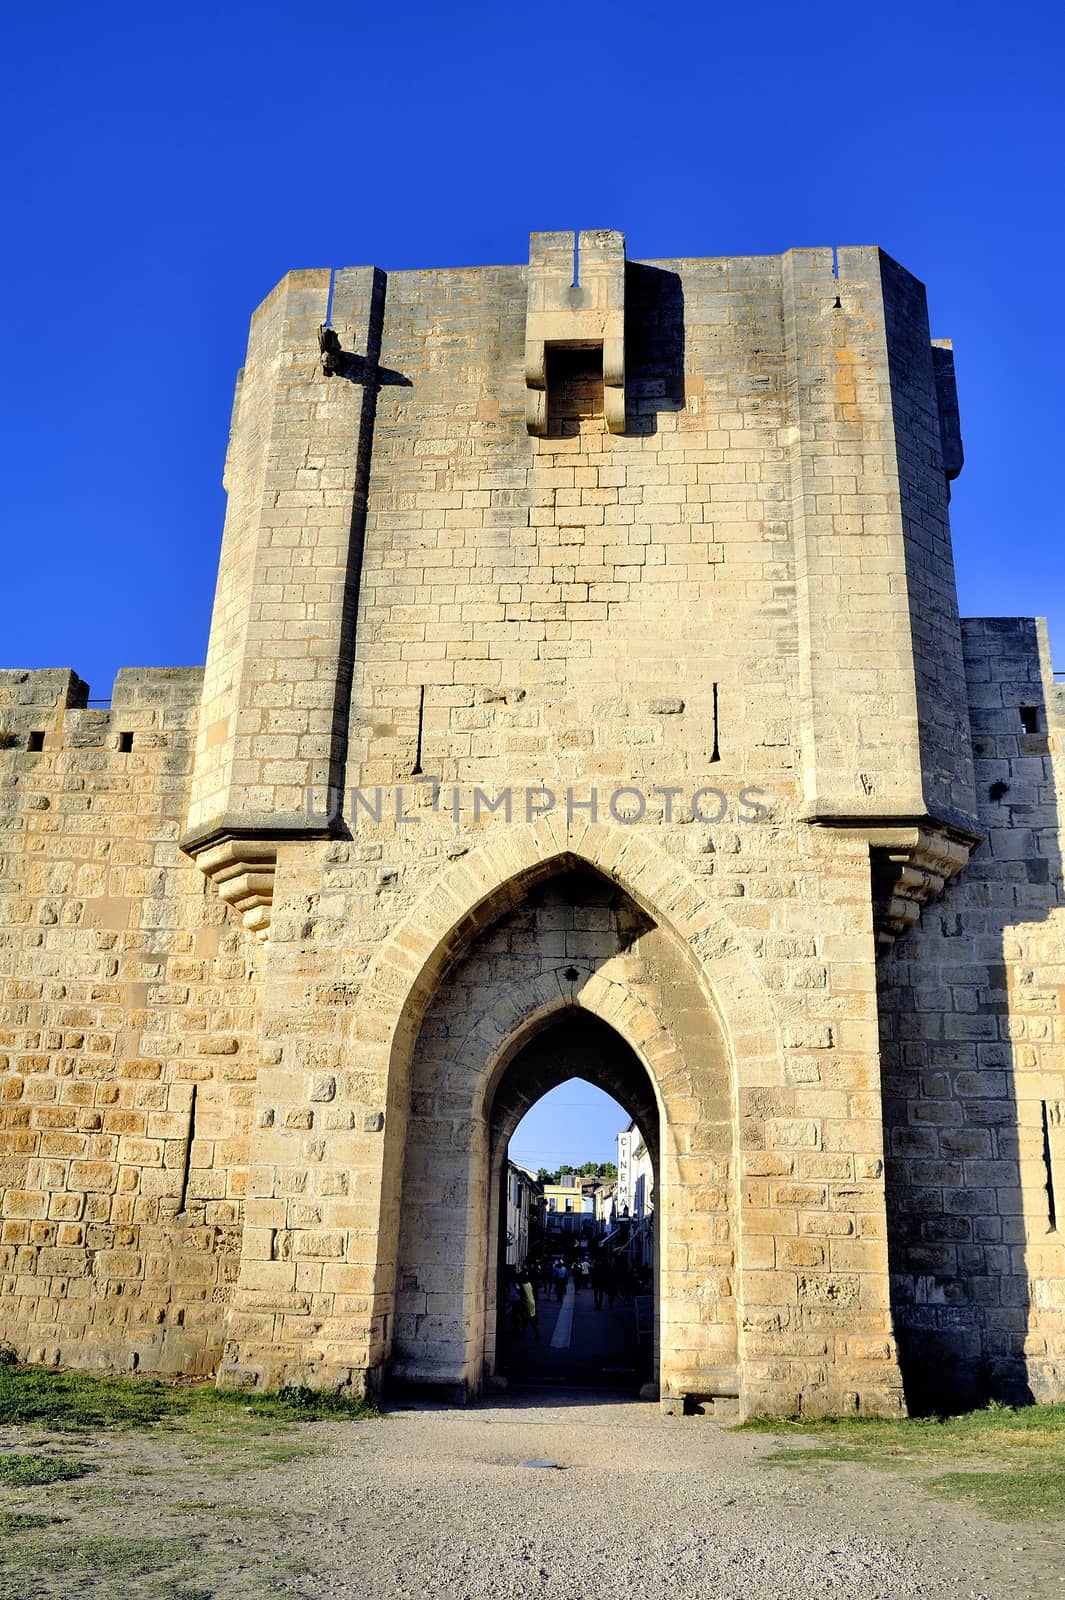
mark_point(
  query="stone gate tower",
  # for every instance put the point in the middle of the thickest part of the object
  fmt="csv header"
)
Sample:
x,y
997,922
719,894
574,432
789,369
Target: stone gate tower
x,y
586,694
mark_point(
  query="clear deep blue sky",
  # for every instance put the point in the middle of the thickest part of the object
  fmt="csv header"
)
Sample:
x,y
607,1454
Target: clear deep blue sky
x,y
575,1122
165,167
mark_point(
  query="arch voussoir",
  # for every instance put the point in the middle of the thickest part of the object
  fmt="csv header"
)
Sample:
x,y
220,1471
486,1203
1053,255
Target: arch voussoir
x,y
470,893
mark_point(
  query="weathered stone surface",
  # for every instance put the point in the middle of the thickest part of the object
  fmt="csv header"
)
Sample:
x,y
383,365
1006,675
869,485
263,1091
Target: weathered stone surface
x,y
585,669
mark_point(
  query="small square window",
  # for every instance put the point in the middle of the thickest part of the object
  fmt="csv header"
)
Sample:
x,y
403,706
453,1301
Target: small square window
x,y
36,741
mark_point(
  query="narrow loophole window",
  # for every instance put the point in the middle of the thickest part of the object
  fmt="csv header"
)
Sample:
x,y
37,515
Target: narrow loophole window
x,y
36,741
1052,1207
125,743
186,1166
1030,719
416,768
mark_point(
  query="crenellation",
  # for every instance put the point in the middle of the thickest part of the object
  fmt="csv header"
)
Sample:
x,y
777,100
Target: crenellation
x,y
96,1124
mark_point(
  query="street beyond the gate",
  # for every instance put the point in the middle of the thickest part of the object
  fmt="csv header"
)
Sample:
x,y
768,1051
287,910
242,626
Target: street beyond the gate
x,y
578,1345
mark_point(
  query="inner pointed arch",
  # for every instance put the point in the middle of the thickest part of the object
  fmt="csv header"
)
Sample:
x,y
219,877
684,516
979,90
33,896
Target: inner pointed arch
x,y
573,1044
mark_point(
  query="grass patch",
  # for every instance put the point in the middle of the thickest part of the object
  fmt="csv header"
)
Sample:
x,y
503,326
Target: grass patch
x,y
98,1556
168,1568
1010,1461
288,1405
237,1510
225,1431
1011,1495
230,1445
27,1470
25,1521
196,1432
75,1401
80,1402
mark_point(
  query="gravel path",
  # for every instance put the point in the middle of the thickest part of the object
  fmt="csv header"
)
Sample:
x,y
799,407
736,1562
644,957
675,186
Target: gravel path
x,y
437,1504
441,1503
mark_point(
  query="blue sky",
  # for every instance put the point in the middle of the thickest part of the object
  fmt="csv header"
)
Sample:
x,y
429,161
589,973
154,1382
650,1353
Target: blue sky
x,y
165,166
575,1122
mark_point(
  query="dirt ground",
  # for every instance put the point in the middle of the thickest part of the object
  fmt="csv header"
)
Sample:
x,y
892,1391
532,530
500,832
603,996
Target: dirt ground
x,y
452,1504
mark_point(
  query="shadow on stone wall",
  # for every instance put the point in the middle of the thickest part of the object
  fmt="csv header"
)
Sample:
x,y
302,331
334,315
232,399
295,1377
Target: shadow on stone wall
x,y
654,345
366,372
965,1020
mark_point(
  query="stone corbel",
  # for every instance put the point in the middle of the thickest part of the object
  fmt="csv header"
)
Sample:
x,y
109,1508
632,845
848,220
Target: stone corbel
x,y
911,862
588,312
910,867
239,855
536,386
614,379
242,870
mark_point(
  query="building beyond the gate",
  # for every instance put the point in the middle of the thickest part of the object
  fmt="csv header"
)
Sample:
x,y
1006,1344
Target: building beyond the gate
x,y
585,695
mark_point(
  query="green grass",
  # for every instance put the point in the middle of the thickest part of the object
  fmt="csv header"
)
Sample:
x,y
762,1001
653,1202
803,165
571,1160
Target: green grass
x,y
80,1402
26,1470
209,1434
25,1521
100,1555
62,1562
1010,1495
1009,1461
216,1510
75,1401
220,1431
163,1567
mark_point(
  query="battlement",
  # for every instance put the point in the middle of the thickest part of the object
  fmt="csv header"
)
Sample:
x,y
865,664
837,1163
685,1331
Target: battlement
x,y
52,708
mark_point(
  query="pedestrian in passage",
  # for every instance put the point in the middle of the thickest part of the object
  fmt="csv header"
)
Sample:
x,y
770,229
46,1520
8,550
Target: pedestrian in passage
x,y
600,1276
528,1302
561,1278
515,1303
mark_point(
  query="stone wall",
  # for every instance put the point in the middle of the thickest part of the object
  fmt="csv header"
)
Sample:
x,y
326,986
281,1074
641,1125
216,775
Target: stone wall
x,y
973,1077
128,1013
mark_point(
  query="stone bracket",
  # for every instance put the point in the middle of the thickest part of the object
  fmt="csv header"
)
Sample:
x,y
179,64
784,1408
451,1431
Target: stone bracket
x,y
241,863
242,870
911,863
574,309
910,867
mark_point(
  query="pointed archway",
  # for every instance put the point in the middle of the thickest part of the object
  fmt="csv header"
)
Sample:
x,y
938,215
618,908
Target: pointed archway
x,y
576,944
572,1044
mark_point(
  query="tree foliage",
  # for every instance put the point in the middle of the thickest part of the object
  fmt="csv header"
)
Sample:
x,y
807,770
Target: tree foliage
x,y
590,1169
